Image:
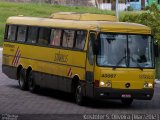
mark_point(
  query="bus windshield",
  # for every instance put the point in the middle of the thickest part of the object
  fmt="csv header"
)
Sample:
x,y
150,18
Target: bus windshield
x,y
125,50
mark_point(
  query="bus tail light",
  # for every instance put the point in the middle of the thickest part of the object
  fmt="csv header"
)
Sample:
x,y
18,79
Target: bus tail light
x,y
96,83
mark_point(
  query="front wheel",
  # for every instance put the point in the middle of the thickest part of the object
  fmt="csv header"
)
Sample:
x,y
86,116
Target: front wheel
x,y
78,95
127,101
31,83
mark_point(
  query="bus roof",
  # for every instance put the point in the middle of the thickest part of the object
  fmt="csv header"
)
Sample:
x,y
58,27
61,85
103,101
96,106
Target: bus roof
x,y
100,25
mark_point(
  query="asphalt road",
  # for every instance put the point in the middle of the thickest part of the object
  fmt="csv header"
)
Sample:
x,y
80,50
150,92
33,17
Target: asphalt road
x,y
50,104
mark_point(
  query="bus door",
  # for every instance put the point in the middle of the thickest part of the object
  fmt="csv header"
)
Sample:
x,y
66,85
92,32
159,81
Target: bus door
x,y
90,66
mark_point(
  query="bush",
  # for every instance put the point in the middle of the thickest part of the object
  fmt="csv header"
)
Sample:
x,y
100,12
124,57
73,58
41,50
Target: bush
x,y
129,8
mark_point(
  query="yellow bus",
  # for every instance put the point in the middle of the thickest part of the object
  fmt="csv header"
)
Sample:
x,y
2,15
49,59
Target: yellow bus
x,y
89,55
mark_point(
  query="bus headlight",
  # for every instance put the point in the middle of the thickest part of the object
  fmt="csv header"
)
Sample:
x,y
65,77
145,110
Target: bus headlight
x,y
101,83
108,84
105,84
148,85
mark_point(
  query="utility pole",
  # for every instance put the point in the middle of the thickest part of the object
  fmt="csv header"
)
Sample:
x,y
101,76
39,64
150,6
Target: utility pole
x,y
117,14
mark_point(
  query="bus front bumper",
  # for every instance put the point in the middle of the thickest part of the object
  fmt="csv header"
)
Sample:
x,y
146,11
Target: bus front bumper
x,y
109,93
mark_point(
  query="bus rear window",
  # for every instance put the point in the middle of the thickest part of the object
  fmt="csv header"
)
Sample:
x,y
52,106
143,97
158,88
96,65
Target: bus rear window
x,y
6,32
12,32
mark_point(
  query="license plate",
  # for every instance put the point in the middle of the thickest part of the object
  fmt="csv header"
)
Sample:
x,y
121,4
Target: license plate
x,y
126,96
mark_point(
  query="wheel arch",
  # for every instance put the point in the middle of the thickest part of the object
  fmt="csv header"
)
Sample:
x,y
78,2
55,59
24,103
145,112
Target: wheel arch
x,y
75,82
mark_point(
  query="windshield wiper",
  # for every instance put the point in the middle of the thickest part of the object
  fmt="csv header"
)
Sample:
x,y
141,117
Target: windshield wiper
x,y
139,66
114,67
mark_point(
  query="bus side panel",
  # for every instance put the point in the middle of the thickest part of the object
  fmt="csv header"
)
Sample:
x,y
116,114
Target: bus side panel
x,y
52,67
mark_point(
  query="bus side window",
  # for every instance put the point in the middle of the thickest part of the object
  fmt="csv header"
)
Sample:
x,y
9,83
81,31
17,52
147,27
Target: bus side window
x,y
44,35
55,38
80,39
32,34
12,32
21,36
68,38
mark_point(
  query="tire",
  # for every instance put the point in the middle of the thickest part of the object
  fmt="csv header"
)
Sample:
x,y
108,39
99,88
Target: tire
x,y
78,95
21,80
127,101
31,83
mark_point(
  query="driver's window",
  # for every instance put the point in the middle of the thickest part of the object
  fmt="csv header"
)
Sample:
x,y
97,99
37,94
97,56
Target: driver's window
x,y
90,55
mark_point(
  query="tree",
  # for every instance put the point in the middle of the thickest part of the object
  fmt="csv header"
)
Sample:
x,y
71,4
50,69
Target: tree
x,y
150,18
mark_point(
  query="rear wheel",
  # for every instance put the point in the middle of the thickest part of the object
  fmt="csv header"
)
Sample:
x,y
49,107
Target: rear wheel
x,y
21,80
127,101
31,83
78,95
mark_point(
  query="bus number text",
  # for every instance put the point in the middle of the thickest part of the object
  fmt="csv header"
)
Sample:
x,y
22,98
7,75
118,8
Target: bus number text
x,y
109,75
146,76
61,58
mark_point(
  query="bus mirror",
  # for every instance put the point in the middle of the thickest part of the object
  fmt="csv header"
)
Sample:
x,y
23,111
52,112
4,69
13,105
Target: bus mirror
x,y
95,47
156,51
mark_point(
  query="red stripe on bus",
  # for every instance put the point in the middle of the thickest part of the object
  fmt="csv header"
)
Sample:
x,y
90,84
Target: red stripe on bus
x,y
70,72
17,58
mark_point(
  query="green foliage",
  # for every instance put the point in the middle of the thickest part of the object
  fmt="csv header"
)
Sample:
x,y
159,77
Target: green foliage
x,y
129,8
150,18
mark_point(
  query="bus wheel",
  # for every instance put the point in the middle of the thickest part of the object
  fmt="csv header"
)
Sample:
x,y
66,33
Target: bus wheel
x,y
78,95
31,83
21,80
127,101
